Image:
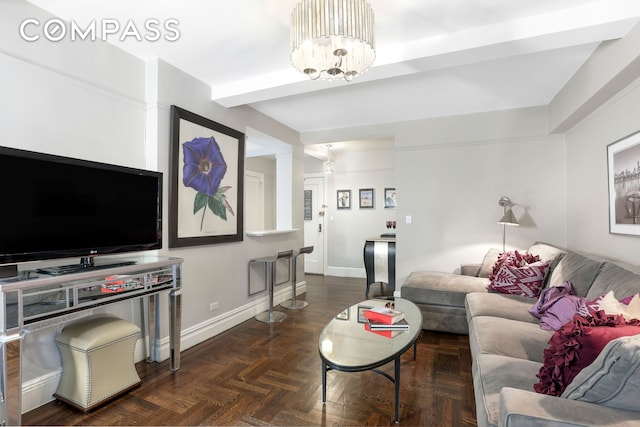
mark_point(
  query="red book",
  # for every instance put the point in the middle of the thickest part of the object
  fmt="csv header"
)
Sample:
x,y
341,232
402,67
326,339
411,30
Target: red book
x,y
384,315
387,333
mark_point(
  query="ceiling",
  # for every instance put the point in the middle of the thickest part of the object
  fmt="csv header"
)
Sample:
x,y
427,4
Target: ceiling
x,y
433,57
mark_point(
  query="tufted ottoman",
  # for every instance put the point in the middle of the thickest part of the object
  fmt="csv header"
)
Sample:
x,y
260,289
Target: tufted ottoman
x,y
97,361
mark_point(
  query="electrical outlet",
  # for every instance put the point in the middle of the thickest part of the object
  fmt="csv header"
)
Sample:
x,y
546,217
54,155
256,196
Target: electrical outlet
x,y
214,305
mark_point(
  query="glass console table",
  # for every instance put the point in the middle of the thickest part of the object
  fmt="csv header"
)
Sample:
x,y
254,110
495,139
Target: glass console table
x,y
33,301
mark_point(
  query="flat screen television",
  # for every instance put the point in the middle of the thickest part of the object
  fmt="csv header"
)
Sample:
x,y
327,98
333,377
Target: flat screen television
x,y
59,207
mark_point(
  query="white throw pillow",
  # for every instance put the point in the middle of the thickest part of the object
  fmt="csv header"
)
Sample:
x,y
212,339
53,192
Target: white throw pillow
x,y
610,305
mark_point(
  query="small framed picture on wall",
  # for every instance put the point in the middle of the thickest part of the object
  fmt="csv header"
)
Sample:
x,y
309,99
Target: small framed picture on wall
x,y
366,198
389,198
344,199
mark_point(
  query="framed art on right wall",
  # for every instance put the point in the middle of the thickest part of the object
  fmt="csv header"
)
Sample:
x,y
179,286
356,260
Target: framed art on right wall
x,y
389,198
623,170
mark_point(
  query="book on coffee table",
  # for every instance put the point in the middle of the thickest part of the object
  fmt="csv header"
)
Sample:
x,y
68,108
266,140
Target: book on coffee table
x,y
384,315
401,325
388,333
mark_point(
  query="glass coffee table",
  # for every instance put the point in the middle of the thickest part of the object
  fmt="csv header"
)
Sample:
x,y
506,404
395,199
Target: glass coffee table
x,y
345,345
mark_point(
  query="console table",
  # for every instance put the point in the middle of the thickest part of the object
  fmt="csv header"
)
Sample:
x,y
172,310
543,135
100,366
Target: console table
x,y
34,301
380,261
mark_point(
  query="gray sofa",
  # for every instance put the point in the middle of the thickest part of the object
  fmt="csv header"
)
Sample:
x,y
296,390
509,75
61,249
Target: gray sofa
x,y
507,343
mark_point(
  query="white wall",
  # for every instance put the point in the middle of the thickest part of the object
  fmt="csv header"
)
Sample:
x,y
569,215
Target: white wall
x,y
61,99
218,273
601,101
347,229
91,100
267,166
587,191
452,171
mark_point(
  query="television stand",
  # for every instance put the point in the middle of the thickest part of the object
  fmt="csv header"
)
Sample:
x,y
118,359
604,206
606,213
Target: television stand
x,y
26,306
58,270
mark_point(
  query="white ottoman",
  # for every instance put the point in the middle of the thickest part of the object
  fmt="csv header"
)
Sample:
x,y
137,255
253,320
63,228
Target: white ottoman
x,y
97,361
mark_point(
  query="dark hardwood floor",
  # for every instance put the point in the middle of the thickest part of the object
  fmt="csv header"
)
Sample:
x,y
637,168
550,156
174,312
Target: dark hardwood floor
x,y
261,374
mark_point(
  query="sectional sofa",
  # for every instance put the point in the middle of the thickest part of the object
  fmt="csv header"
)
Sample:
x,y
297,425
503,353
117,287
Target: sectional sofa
x,y
512,354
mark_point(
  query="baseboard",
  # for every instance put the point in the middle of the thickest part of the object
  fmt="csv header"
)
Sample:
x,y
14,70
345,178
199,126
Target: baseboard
x,y
40,390
358,273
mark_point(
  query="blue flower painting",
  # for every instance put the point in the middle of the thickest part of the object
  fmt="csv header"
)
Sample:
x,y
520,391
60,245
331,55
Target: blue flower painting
x,y
204,168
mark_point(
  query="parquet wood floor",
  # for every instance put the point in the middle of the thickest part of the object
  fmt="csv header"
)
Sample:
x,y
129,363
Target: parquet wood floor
x,y
260,374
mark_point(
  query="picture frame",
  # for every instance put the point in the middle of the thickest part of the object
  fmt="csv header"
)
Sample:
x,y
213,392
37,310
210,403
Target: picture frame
x,y
367,199
361,310
343,199
206,173
623,171
343,315
390,198
308,205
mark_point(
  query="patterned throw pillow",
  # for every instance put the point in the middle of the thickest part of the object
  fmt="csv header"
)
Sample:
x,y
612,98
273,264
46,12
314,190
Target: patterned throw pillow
x,y
526,280
514,259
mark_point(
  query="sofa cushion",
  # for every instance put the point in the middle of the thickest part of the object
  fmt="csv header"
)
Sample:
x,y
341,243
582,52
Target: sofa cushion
x,y
438,288
612,277
576,345
443,318
487,263
513,307
525,280
613,379
492,373
546,252
577,269
521,408
494,335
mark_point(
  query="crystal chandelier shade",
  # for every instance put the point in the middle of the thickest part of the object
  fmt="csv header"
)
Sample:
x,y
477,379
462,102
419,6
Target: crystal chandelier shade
x,y
332,39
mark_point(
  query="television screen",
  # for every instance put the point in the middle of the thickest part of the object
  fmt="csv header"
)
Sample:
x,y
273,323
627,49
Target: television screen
x,y
58,207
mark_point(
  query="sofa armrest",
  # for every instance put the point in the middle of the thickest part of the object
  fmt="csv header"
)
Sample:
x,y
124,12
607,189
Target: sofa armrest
x,y
521,408
470,269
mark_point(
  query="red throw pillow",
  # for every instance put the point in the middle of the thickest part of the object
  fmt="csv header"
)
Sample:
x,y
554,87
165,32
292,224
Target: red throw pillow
x,y
526,280
576,345
514,259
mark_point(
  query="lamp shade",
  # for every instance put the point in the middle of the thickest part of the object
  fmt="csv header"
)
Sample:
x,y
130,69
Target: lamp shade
x,y
332,39
328,166
508,218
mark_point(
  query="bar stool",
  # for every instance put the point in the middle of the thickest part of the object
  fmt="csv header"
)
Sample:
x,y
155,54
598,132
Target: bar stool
x,y
271,316
292,304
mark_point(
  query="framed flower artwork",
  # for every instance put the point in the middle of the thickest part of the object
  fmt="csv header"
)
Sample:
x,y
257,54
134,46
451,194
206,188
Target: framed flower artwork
x,y
206,181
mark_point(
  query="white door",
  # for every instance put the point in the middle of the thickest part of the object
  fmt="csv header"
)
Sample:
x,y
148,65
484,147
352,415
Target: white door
x,y
314,210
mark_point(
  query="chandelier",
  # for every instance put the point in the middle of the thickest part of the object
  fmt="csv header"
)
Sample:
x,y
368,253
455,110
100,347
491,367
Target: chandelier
x,y
332,39
328,166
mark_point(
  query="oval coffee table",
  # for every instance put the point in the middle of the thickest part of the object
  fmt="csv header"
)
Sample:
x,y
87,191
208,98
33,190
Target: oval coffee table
x,y
345,345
